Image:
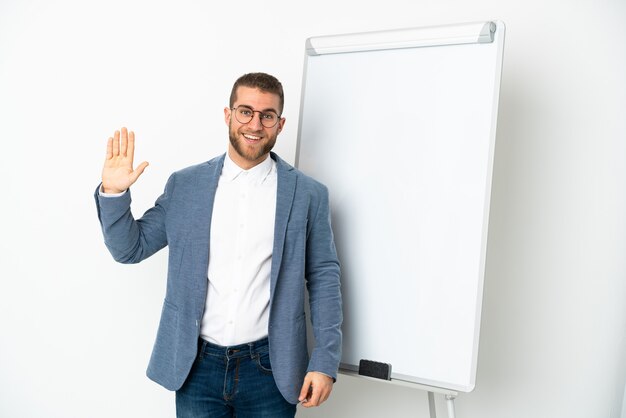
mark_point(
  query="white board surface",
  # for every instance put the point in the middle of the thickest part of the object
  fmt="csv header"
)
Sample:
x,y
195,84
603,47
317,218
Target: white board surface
x,y
404,138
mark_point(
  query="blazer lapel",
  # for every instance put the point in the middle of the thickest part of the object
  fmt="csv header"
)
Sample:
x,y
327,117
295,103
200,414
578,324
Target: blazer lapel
x,y
206,185
286,179
204,196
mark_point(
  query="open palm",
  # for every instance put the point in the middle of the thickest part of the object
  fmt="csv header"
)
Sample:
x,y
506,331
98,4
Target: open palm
x,y
118,174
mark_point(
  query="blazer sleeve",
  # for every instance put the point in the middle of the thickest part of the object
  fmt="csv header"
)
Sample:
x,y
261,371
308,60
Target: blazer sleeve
x,y
131,240
323,283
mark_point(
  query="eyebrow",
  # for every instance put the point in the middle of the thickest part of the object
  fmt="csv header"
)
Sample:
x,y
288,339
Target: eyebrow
x,y
264,110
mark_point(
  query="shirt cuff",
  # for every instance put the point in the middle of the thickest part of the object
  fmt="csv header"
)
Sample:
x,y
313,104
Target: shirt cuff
x,y
103,194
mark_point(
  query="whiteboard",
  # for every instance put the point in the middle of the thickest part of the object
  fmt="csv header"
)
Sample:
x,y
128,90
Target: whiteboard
x,y
400,125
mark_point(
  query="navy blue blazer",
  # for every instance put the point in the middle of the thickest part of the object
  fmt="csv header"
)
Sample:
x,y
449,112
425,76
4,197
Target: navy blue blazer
x,y
304,253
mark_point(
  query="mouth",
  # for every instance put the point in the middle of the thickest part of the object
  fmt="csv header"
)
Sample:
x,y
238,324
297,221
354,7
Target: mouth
x,y
252,139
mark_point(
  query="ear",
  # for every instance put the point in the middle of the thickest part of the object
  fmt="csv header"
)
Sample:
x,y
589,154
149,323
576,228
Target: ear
x,y
227,113
281,124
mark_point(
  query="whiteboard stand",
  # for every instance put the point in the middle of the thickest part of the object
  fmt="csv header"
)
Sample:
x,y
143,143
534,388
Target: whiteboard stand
x,y
400,125
431,405
450,402
450,395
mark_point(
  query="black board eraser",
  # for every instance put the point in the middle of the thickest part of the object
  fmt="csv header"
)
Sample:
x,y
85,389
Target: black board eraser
x,y
375,369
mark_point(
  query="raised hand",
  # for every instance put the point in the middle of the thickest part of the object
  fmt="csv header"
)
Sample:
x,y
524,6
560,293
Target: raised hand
x,y
118,174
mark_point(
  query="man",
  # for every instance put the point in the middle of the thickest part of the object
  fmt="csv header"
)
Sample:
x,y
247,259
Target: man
x,y
246,232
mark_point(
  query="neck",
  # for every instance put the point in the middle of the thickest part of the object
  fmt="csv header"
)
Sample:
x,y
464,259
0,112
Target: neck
x,y
244,163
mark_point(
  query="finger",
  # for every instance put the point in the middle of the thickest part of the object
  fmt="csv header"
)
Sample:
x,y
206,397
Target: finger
x,y
325,396
304,392
116,144
314,399
124,146
131,146
110,148
138,171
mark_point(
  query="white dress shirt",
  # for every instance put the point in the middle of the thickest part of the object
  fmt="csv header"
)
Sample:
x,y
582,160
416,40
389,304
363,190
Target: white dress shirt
x,y
240,255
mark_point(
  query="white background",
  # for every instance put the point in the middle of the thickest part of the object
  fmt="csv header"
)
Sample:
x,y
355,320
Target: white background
x,y
76,329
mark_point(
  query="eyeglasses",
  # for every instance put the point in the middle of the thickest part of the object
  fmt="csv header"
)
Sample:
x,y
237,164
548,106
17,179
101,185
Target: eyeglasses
x,y
244,115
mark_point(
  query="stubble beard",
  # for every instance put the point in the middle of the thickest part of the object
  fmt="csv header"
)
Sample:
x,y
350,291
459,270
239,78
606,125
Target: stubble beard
x,y
249,153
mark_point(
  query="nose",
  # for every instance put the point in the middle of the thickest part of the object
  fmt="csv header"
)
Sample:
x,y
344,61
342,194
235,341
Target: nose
x,y
255,123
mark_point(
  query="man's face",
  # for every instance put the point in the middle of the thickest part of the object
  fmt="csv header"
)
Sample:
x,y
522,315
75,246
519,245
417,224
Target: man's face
x,y
251,142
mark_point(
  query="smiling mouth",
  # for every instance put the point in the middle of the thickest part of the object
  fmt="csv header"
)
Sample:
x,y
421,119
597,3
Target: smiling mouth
x,y
251,138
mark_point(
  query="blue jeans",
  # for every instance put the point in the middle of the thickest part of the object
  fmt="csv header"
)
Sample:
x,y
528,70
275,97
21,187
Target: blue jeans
x,y
233,382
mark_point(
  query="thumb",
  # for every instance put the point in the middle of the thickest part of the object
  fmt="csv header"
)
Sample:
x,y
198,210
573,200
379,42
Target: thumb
x,y
304,392
139,170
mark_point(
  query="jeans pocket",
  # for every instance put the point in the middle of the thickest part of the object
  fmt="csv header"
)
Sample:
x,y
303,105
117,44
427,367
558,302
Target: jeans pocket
x,y
263,362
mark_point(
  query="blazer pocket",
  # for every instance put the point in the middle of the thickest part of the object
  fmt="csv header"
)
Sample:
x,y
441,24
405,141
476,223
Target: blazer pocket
x,y
169,305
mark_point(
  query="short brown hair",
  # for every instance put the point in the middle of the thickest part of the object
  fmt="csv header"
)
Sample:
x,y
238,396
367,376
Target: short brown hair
x,y
262,81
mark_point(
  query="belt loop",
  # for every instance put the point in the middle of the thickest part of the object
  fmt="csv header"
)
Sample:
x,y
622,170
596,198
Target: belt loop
x,y
201,343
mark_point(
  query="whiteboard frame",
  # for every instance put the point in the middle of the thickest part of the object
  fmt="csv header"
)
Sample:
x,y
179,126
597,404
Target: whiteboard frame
x,y
465,33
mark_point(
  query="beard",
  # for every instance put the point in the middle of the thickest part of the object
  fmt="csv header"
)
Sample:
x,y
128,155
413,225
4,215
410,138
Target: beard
x,y
250,152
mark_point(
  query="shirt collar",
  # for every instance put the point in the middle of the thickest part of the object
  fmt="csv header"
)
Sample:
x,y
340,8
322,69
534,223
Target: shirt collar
x,y
258,173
